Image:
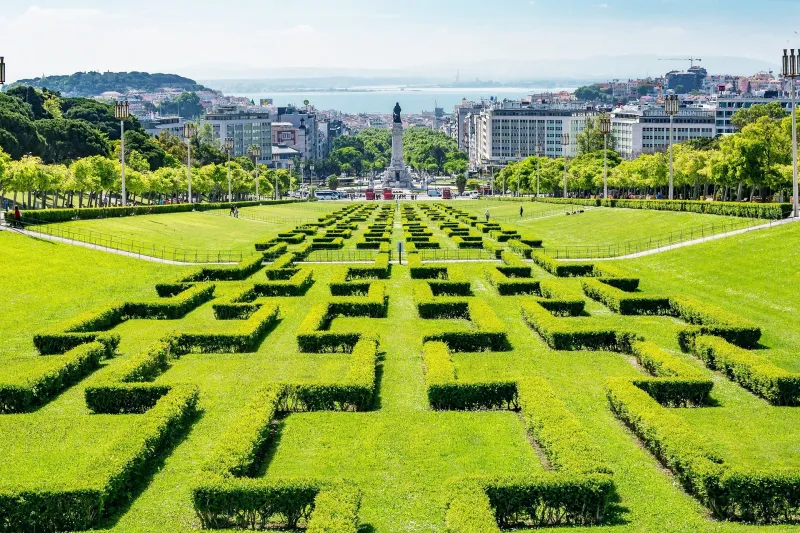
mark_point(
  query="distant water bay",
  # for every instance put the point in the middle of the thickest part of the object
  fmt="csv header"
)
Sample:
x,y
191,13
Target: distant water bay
x,y
382,99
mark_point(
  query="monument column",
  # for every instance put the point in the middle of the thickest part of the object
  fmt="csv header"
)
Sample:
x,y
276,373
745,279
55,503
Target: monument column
x,y
397,175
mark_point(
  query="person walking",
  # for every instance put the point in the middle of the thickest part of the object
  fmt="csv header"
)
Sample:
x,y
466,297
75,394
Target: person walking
x,y
17,217
520,211
487,215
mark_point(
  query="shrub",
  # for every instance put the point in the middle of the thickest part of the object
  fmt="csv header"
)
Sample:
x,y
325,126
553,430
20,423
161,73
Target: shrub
x,y
510,286
28,389
560,268
560,335
521,248
752,371
490,334
462,243
736,209
241,271
444,392
244,338
625,303
79,509
713,321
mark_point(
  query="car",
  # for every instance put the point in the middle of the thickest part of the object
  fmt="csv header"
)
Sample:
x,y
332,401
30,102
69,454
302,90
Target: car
x,y
473,195
434,193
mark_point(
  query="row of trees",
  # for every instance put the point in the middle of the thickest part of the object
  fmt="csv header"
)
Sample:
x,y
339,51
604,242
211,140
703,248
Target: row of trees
x,y
90,181
755,162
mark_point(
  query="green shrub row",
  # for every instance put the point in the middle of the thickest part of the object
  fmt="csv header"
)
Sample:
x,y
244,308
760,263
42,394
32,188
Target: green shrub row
x,y
735,209
381,269
489,335
84,327
21,392
83,507
467,242
562,269
86,213
493,248
510,286
242,270
559,334
752,371
444,392
355,393
676,384
521,248
281,262
245,337
503,236
327,243
420,271
313,337
625,303
711,320
760,495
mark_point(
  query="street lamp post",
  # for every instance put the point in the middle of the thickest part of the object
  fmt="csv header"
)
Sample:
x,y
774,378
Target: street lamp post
x,y
229,149
2,70
519,169
189,131
790,72
255,154
311,179
605,129
671,105
538,165
122,113
564,147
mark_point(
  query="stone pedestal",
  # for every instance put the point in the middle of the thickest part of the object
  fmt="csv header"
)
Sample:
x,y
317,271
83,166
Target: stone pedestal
x,y
397,175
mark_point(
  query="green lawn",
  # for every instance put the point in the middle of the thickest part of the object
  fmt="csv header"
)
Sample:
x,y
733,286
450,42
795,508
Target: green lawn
x,y
401,453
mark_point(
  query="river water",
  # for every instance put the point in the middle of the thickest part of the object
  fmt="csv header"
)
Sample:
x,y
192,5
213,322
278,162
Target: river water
x,y
382,99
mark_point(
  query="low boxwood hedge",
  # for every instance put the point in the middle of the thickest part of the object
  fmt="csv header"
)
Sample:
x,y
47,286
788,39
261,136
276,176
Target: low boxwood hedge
x,y
735,209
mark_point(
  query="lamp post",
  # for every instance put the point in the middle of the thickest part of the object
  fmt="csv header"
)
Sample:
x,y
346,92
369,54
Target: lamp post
x,y
255,154
122,113
2,70
538,165
311,179
189,131
671,105
605,129
564,146
790,72
229,149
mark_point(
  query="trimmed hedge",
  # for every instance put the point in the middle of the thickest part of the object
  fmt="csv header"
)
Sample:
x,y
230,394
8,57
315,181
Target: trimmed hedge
x,y
83,508
562,269
420,271
625,303
355,393
734,209
521,248
86,213
678,383
711,320
32,389
244,338
444,392
240,271
463,243
511,286
489,335
559,334
752,371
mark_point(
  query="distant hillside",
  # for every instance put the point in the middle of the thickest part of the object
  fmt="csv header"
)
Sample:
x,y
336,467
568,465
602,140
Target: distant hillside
x,y
95,83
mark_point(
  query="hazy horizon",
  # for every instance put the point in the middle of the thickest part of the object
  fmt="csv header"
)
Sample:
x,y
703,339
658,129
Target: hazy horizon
x,y
502,41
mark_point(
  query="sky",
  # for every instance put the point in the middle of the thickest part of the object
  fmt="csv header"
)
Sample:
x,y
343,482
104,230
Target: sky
x,y
490,39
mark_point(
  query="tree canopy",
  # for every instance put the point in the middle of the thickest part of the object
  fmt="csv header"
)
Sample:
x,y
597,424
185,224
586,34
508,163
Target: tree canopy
x,y
96,83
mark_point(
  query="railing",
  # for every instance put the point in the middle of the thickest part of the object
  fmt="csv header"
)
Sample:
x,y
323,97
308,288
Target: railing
x,y
649,243
341,256
136,248
456,254
269,220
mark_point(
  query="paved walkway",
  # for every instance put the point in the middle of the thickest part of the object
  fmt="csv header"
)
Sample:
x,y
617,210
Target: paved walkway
x,y
37,235
675,246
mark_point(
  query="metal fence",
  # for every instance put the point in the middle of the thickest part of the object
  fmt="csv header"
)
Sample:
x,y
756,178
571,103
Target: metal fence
x,y
649,243
137,248
456,254
341,256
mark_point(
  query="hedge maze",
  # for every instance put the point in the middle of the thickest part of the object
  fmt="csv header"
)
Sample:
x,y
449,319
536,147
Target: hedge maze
x,y
418,356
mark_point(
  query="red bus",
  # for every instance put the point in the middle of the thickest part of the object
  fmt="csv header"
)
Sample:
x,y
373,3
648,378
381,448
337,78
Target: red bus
x,y
387,194
446,194
370,194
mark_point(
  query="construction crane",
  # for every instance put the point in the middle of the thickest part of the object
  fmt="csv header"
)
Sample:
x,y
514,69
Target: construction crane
x,y
691,60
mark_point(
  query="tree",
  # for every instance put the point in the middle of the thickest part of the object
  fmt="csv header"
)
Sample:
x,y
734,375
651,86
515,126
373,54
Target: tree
x,y
593,92
591,140
746,116
333,182
66,140
187,105
149,149
461,183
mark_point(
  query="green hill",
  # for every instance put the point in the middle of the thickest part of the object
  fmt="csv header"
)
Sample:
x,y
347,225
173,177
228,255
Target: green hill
x,y
95,83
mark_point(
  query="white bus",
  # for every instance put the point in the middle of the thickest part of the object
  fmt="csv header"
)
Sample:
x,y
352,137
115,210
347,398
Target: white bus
x,y
326,195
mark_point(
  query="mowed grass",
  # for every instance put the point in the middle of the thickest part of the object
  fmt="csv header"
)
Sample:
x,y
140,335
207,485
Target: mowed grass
x,y
401,453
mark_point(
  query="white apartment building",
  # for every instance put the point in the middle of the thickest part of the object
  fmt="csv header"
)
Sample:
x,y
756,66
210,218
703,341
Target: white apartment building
x,y
172,124
246,127
510,130
645,130
728,105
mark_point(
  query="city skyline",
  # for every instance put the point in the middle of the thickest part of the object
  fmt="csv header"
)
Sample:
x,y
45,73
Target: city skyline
x,y
511,39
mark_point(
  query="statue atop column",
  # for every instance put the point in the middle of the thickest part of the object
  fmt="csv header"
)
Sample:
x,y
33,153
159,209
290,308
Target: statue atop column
x,y
397,174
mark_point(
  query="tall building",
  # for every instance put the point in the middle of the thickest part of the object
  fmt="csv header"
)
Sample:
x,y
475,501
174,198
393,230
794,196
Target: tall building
x,y
645,130
311,144
172,124
510,130
460,113
728,105
246,127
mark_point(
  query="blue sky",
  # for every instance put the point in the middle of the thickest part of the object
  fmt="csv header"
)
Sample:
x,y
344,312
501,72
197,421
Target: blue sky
x,y
487,39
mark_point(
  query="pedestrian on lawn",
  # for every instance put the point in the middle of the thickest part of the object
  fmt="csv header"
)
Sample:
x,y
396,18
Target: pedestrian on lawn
x,y
487,216
520,211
